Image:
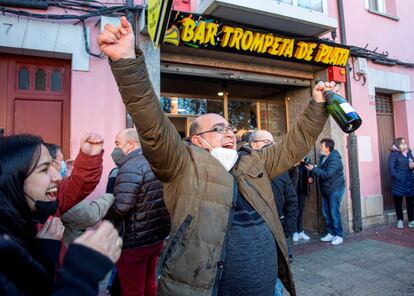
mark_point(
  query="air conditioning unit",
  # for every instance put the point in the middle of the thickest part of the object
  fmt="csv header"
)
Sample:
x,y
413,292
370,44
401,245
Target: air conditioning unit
x,y
361,66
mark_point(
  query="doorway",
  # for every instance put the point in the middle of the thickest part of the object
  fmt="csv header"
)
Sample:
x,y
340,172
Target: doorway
x,y
35,97
386,136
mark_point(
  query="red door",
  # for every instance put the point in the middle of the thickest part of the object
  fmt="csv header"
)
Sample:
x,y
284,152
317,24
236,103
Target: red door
x,y
35,94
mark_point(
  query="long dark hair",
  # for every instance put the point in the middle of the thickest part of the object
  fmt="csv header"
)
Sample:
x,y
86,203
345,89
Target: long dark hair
x,y
19,155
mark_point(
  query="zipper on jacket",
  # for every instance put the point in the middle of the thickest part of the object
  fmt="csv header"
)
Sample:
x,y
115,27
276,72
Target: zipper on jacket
x,y
179,234
220,264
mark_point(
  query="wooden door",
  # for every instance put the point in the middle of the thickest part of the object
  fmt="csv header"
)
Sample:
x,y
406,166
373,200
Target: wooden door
x,y
36,96
386,136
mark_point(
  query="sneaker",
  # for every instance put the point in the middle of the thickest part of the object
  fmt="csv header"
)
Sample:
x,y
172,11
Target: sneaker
x,y
327,238
303,236
295,237
400,224
337,240
411,224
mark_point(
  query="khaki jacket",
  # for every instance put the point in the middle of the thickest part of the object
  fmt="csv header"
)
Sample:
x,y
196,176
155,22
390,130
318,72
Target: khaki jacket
x,y
199,192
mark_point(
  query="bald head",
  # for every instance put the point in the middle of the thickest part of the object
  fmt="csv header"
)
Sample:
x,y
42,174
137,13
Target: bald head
x,y
260,138
130,134
212,131
204,121
128,140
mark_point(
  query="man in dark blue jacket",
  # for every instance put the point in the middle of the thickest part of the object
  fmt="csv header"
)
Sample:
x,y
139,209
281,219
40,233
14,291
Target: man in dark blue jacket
x,y
332,186
140,214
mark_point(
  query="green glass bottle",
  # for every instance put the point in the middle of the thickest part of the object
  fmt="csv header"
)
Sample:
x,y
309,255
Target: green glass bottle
x,y
343,113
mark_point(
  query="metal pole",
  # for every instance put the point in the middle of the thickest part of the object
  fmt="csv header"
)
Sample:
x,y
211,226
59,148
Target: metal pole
x,y
352,140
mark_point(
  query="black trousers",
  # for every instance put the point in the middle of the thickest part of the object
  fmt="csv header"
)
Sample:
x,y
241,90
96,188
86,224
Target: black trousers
x,y
301,206
398,201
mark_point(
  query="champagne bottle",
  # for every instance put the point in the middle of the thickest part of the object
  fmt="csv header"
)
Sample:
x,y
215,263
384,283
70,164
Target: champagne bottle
x,y
343,113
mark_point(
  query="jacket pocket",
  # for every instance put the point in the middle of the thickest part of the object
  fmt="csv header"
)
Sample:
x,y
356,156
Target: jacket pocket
x,y
180,233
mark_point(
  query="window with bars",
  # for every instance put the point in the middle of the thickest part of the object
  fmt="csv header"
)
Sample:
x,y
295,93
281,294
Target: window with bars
x,y
383,104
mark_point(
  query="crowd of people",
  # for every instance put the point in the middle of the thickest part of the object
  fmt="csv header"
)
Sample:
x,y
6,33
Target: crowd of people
x,y
207,216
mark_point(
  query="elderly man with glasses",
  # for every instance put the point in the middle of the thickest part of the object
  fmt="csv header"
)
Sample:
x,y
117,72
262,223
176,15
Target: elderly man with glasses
x,y
226,236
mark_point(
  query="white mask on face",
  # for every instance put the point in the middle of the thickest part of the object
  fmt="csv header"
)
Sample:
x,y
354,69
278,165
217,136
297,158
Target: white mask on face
x,y
227,157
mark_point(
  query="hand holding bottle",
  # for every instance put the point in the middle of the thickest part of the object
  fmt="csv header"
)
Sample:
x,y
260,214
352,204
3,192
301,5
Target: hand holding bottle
x,y
340,110
320,88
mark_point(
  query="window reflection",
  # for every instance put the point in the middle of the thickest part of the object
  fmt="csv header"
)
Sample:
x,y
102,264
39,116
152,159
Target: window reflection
x,y
40,80
273,117
315,5
56,83
242,114
191,106
23,78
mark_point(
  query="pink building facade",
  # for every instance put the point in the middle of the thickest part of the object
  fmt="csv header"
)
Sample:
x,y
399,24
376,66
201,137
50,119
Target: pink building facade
x,y
273,91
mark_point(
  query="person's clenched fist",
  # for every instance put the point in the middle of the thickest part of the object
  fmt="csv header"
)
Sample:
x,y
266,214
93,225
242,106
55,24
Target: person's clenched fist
x,y
92,144
104,239
118,43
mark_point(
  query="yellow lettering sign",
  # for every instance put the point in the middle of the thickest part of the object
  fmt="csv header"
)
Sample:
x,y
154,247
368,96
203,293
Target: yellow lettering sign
x,y
212,29
311,49
187,33
227,31
274,49
301,50
269,39
288,51
257,43
247,40
322,52
235,38
200,33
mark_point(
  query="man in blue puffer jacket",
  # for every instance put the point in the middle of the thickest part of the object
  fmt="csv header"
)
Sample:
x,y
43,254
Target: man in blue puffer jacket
x,y
332,186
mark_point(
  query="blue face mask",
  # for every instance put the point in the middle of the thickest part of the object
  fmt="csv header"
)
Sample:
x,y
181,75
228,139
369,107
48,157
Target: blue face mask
x,y
63,169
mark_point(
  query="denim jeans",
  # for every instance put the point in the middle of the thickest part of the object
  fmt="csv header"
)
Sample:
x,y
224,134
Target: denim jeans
x,y
278,288
330,210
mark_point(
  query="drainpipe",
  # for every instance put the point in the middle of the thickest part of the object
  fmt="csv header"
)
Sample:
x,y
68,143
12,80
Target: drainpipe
x,y
130,15
352,139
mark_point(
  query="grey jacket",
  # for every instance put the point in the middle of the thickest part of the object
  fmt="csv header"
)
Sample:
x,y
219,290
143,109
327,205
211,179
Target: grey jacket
x,y
83,215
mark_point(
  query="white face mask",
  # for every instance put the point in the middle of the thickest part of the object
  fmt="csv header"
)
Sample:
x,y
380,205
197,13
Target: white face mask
x,y
227,157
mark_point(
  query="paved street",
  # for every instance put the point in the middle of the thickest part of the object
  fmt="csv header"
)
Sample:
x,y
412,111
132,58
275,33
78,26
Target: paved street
x,y
377,262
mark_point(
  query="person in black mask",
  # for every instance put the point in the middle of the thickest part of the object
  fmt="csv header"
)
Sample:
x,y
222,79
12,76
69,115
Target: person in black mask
x,y
29,256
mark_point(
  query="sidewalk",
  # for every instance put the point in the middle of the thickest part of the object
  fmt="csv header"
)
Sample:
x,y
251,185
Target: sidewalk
x,y
378,261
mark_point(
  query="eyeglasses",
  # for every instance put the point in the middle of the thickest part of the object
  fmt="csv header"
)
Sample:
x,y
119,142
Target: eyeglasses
x,y
267,142
219,129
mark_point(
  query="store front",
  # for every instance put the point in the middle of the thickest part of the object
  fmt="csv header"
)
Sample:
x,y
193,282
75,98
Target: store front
x,y
254,81
247,105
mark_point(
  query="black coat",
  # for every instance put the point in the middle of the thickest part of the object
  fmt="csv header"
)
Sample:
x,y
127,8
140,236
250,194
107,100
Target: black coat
x,y
286,202
299,176
330,173
139,211
402,178
24,274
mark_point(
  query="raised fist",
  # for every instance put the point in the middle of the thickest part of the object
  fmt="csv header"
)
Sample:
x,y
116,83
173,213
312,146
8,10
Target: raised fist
x,y
118,43
92,144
